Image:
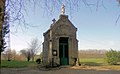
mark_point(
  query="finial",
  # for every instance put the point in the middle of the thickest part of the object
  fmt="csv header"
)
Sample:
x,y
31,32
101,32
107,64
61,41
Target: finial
x,y
63,9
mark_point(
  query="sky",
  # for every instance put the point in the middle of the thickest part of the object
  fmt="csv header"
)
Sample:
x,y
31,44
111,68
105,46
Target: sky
x,y
96,28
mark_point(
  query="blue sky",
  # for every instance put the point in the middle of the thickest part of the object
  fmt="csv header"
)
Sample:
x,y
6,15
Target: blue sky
x,y
96,29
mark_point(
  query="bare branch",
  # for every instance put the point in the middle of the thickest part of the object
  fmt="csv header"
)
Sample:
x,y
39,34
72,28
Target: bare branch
x,y
34,46
118,1
117,19
16,8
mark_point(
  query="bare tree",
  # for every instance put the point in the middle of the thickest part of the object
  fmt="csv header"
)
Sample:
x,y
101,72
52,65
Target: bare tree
x,y
16,9
13,54
8,54
26,53
34,46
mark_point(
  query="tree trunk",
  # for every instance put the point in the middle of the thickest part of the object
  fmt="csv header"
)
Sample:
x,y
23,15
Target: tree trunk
x,y
28,58
0,57
2,13
33,58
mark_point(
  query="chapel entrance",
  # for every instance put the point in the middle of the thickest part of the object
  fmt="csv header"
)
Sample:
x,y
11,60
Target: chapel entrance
x,y
63,51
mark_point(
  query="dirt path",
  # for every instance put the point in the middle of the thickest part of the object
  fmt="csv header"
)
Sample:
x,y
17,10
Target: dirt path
x,y
58,71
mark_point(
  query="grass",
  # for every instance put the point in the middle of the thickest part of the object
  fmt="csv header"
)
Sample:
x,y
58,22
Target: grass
x,y
84,61
97,63
17,64
93,61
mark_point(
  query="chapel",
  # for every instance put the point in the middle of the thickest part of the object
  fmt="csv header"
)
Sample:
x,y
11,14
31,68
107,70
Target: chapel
x,y
60,44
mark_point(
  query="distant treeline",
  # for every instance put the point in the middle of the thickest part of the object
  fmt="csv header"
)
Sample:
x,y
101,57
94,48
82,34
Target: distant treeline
x,y
92,53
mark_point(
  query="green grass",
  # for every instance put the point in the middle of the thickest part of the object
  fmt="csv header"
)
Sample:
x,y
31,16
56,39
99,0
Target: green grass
x,y
17,64
93,61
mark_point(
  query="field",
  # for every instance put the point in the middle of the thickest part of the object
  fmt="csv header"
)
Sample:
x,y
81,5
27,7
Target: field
x,y
89,58
93,61
86,64
83,61
92,66
17,64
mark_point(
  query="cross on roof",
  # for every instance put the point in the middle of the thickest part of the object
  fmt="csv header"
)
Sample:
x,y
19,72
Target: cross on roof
x,y
54,20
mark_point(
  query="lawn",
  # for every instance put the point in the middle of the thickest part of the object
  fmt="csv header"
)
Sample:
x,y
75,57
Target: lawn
x,y
96,63
17,64
84,61
93,61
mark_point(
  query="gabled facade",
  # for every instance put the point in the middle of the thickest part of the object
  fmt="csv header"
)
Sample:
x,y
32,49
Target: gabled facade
x,y
60,43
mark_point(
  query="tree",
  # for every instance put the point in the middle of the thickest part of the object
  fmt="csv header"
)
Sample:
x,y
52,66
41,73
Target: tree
x,y
113,57
26,53
13,54
2,14
34,46
32,49
8,54
16,8
5,31
119,56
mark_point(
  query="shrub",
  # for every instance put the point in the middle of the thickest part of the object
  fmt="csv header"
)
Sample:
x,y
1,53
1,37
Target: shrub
x,y
113,57
119,56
